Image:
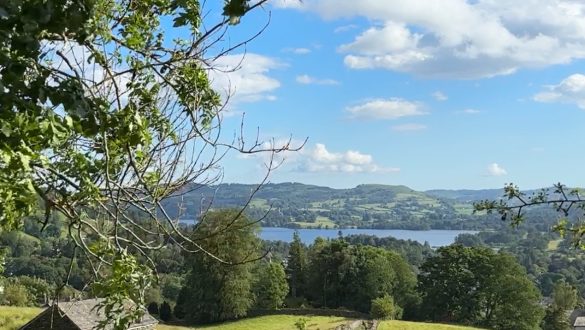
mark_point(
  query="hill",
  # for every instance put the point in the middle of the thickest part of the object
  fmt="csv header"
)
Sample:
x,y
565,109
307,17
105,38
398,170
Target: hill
x,y
299,205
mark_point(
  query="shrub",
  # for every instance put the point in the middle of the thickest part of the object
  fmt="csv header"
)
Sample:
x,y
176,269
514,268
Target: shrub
x,y
16,295
165,312
301,324
384,308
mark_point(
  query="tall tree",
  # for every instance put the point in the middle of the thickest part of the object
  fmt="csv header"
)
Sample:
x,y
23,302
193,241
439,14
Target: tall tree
x,y
213,290
296,266
271,286
564,300
477,286
353,275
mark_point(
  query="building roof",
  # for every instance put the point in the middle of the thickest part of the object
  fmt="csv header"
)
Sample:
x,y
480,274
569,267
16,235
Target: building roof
x,y
579,321
86,315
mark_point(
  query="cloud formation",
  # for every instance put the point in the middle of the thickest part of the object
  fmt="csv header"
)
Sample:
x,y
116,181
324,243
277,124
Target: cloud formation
x,y
458,39
470,111
569,90
392,108
439,96
319,159
244,77
298,51
496,170
308,80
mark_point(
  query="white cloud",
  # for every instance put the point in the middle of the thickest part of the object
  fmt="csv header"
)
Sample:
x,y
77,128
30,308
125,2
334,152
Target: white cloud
x,y
298,51
298,4
439,96
306,79
459,39
244,77
392,108
409,127
345,28
496,170
470,111
569,90
319,159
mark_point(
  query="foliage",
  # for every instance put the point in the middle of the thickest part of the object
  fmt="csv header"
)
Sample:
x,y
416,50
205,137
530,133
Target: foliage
x,y
340,274
128,279
271,287
219,286
384,308
478,286
106,110
152,308
165,312
301,323
15,294
296,266
513,206
38,290
564,300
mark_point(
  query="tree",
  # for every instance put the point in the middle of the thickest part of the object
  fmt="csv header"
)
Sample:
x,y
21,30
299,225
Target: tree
x,y
153,308
514,203
477,286
296,266
271,287
564,300
165,311
343,275
384,308
106,110
215,291
15,295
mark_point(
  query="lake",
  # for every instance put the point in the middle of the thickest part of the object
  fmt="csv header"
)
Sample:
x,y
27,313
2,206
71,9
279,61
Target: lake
x,y
435,238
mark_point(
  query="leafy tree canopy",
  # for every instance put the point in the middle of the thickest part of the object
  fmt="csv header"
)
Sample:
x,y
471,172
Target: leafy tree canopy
x,y
106,109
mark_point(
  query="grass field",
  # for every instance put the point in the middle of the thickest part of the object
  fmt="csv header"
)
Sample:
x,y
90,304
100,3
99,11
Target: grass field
x,y
12,318
324,222
554,244
272,322
404,325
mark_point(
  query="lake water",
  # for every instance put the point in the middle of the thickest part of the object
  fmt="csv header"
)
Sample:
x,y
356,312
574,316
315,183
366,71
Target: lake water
x,y
434,237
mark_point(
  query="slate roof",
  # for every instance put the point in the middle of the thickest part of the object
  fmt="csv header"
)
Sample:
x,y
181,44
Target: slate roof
x,y
86,315
575,314
579,321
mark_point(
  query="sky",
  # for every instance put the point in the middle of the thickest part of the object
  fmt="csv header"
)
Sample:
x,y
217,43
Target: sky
x,y
449,94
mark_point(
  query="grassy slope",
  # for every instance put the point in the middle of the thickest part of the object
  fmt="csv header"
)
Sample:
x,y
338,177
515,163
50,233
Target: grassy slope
x,y
404,325
273,322
12,318
286,322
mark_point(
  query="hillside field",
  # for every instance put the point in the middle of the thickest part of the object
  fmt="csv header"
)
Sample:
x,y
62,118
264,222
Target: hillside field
x,y
11,318
405,325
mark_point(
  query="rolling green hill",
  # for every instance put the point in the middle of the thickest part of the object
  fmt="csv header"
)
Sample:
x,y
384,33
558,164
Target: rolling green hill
x,y
298,205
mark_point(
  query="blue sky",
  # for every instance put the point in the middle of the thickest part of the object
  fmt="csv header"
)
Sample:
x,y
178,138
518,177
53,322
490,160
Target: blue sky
x,y
429,94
